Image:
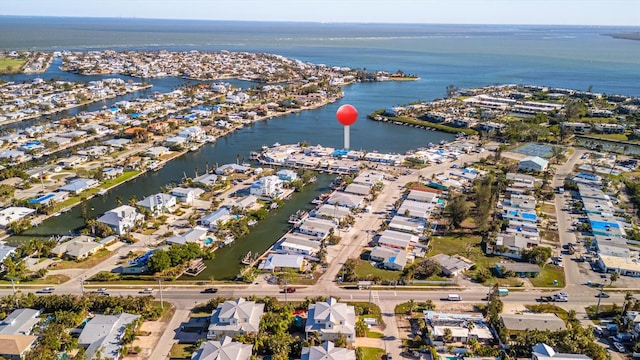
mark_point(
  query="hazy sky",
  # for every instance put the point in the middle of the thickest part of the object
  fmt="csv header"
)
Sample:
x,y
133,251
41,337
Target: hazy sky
x,y
559,12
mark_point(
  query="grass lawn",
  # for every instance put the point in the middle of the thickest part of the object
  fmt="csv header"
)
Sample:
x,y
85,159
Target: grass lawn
x,y
11,65
88,263
603,312
549,208
366,271
369,353
120,179
374,334
465,245
549,273
403,308
614,137
182,351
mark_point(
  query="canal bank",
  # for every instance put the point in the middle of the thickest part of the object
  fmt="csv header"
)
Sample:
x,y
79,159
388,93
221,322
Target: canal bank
x,y
227,261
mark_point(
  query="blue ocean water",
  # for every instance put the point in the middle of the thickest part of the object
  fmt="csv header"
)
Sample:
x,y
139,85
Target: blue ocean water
x,y
463,55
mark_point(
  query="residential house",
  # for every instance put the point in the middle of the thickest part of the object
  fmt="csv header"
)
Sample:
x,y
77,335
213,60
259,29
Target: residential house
x,y
317,227
111,173
6,251
186,195
235,317
517,323
192,133
415,209
331,212
511,245
15,347
327,351
79,247
459,326
196,235
397,240
19,322
13,213
331,319
348,200
175,141
392,259
228,169
103,333
156,151
208,179
543,351
159,203
423,196
216,218
358,189
267,187
225,349
299,244
279,262
247,202
79,185
407,224
287,175
121,219
452,265
533,163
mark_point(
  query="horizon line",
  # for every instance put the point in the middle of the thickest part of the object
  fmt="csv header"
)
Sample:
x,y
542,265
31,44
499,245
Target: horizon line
x,y
316,22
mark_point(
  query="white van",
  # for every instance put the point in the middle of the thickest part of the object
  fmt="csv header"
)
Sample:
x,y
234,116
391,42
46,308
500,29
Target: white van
x,y
454,297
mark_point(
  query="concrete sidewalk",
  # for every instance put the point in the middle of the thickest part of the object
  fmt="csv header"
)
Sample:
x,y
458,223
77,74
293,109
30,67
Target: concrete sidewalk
x,y
170,335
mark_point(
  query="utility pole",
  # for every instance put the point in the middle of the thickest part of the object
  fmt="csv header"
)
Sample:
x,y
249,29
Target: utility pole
x,y
13,287
599,298
82,286
161,301
285,290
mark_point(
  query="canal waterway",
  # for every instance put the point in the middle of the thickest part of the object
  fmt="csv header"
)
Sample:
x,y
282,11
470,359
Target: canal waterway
x,y
318,126
226,264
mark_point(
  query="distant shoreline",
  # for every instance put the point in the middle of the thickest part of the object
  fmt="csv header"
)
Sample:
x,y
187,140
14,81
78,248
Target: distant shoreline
x,y
625,36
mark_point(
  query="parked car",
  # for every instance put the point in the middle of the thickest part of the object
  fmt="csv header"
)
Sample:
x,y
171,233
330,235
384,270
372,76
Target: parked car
x,y
619,347
289,290
209,291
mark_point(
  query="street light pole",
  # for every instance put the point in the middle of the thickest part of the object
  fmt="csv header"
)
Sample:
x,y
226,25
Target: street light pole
x,y
82,286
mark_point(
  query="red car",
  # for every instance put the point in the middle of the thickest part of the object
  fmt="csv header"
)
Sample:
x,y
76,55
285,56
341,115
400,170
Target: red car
x,y
289,290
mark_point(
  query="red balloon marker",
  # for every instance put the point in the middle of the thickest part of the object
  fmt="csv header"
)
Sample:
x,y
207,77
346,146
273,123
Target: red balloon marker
x,y
347,116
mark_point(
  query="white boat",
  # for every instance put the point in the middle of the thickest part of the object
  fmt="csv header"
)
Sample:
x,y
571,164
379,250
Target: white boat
x,y
102,192
194,148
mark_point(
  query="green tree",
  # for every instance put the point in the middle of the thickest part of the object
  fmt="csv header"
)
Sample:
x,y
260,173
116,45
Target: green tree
x,y
614,277
458,210
361,328
159,261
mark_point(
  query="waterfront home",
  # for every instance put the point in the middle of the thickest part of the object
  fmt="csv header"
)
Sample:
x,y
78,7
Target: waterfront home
x,y
197,235
331,319
297,243
287,175
121,219
348,200
228,169
6,251
50,198
186,195
79,185
370,178
15,347
317,227
13,213
280,262
216,218
533,163
392,259
225,349
331,212
156,151
112,172
175,141
208,179
327,351
77,248
267,187
543,351
159,203
192,133
452,265
235,317
248,202
358,189
20,322
103,333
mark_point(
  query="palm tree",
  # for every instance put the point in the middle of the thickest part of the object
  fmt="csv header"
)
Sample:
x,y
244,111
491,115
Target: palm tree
x,y
411,304
614,277
447,335
627,300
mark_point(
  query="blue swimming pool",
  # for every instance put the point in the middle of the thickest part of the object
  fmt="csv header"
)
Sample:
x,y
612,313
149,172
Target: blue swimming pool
x,y
208,241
